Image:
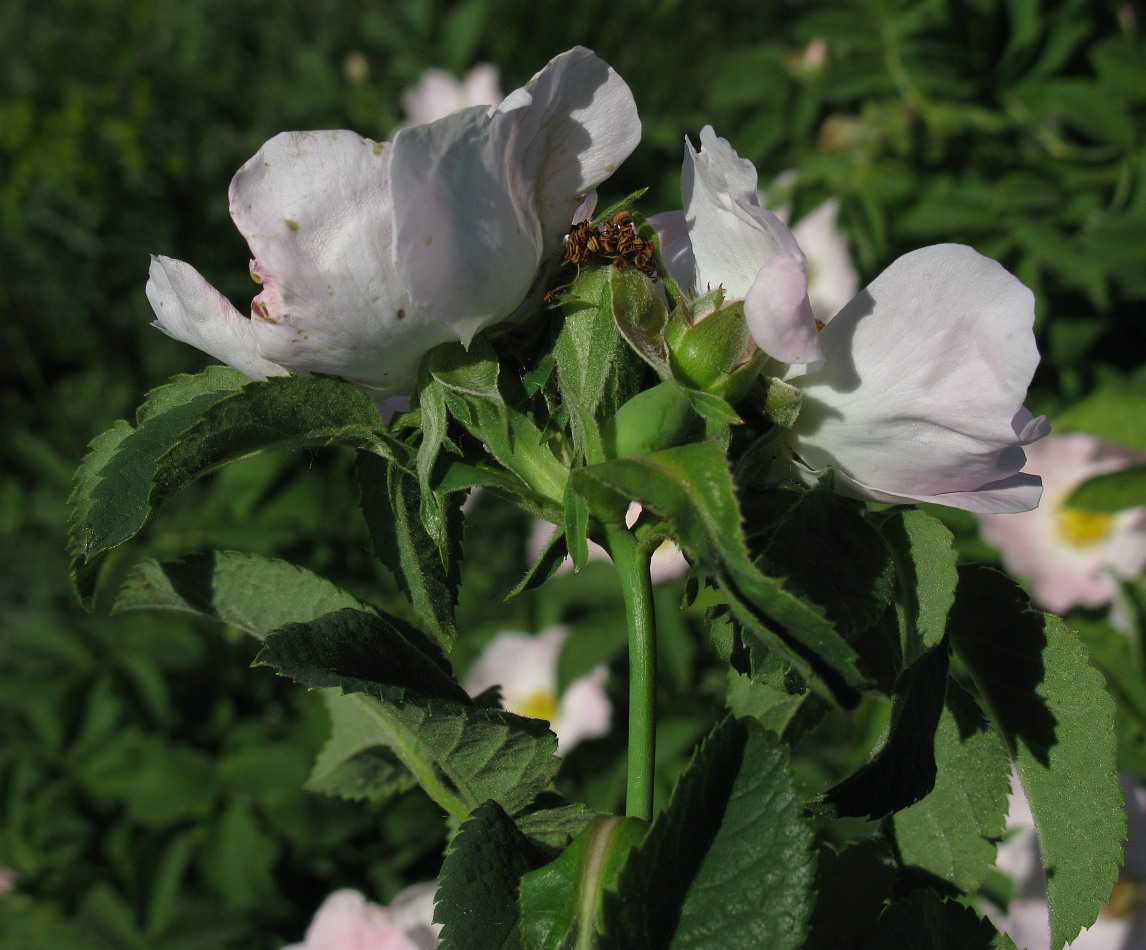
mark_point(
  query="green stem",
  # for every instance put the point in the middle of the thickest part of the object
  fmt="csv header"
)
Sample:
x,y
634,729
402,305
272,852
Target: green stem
x,y
636,587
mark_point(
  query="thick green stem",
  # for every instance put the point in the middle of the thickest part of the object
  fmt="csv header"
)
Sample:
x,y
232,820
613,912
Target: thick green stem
x,y
636,587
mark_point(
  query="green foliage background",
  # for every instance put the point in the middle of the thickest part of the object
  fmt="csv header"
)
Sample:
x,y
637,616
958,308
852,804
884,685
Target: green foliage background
x,y
148,780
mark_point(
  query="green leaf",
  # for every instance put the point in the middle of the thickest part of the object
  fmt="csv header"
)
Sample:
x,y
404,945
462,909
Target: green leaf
x,y
690,487
110,502
904,768
428,574
408,704
1116,413
238,858
950,833
196,425
555,823
1053,711
254,593
1112,491
477,901
729,862
561,902
924,919
828,554
926,576
640,315
853,885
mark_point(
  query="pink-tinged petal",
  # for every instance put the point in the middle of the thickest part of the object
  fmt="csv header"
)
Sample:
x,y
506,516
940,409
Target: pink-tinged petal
x,y
584,712
1061,569
465,247
438,94
922,384
778,312
315,208
732,236
832,278
347,921
190,310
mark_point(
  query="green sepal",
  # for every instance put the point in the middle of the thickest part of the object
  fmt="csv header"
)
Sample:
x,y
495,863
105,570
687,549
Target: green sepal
x,y
712,348
782,402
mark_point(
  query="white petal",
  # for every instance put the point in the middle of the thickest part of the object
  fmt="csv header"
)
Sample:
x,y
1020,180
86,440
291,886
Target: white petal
x,y
923,380
675,246
190,310
732,236
315,209
585,712
832,278
465,246
581,125
778,313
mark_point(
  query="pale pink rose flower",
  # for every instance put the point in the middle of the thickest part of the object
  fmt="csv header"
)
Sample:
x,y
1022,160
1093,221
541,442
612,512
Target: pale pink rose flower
x,y
1069,557
913,391
370,254
667,563
832,277
438,94
525,667
347,921
8,879
1121,924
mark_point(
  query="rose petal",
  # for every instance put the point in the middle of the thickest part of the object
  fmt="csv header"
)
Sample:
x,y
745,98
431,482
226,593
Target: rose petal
x,y
315,209
675,246
189,309
778,312
923,377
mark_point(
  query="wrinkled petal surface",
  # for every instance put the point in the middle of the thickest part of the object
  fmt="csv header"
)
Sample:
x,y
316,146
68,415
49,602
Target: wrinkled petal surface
x,y
315,209
187,308
745,248
920,393
1062,568
481,201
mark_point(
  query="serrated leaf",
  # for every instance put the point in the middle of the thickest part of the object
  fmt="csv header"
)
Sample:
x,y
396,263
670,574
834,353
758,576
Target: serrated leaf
x,y
254,593
690,487
429,576
828,554
950,832
1111,491
555,823
733,837
459,752
477,901
1053,711
924,919
854,881
903,770
111,499
926,576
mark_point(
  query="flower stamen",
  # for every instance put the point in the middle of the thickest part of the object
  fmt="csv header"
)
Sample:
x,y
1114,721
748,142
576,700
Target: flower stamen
x,y
1082,528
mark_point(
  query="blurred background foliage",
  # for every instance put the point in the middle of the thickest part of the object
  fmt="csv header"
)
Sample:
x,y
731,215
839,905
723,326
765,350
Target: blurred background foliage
x,y
150,782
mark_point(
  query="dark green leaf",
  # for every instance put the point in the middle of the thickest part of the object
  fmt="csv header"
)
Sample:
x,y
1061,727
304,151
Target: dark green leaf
x,y
477,902
924,919
255,593
733,838
691,488
950,832
392,504
1055,716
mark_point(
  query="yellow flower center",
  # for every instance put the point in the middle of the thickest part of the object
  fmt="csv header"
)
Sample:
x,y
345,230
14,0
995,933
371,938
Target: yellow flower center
x,y
539,705
1082,528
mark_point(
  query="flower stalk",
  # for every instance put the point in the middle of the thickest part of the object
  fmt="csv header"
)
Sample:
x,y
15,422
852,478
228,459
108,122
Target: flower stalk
x,y
632,563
